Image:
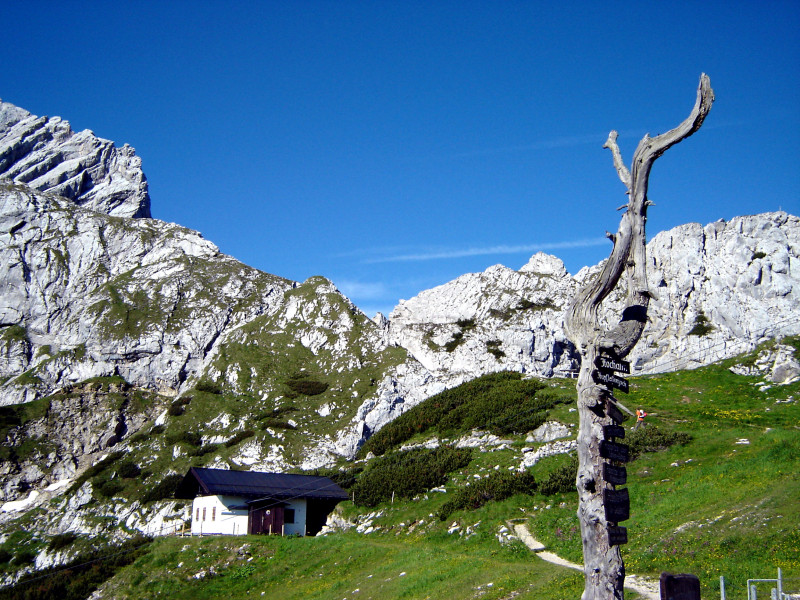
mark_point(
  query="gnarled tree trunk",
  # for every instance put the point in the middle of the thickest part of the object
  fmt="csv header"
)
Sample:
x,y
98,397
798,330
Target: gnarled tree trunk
x,y
603,565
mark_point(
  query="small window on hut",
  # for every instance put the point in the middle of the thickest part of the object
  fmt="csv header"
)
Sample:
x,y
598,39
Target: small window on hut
x,y
288,515
204,513
213,513
197,518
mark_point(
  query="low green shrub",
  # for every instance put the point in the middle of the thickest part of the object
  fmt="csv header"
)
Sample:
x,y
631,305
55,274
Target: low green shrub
x,y
498,486
653,439
138,438
163,490
526,304
493,347
560,480
239,437
95,470
701,325
62,540
502,403
406,474
303,385
208,386
188,437
344,479
25,556
109,489
206,449
128,469
455,341
77,579
276,412
276,423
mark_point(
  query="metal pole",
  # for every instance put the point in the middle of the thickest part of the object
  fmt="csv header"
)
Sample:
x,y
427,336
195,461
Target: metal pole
x,y
780,584
722,587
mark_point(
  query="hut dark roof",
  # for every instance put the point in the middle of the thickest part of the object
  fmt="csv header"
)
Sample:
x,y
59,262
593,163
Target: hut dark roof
x,y
256,485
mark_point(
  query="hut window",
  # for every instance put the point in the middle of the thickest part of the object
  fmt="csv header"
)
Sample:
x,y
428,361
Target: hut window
x,y
204,513
213,513
288,515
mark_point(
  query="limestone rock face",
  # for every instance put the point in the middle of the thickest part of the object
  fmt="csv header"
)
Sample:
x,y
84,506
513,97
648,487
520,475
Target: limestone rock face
x,y
94,295
497,320
45,154
81,422
718,291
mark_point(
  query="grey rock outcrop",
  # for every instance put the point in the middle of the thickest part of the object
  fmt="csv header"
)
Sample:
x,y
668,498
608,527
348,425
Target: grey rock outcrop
x,y
718,290
79,424
94,295
500,319
46,155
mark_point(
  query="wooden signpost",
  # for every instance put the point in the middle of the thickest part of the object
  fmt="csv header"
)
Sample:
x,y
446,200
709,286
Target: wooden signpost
x,y
602,349
617,535
614,451
614,475
683,586
611,364
610,380
613,411
617,504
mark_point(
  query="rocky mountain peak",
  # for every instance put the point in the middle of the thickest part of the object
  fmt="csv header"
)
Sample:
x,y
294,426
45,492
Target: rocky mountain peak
x,y
545,264
718,290
46,155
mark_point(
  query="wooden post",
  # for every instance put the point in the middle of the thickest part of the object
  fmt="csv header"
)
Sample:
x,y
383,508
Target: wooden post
x,y
603,567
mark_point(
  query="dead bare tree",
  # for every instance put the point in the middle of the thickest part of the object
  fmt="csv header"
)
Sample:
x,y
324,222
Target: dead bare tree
x,y
603,565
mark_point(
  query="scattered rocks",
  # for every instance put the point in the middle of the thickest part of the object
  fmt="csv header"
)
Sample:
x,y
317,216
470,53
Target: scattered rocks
x,y
777,365
547,432
531,457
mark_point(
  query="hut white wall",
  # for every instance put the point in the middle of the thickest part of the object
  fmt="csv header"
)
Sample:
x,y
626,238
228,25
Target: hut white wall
x,y
218,518
299,525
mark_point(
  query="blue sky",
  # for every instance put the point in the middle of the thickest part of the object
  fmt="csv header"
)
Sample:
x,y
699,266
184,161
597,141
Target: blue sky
x,y
392,146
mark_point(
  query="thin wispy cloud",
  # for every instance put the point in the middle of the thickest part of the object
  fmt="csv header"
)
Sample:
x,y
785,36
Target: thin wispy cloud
x,y
564,141
488,251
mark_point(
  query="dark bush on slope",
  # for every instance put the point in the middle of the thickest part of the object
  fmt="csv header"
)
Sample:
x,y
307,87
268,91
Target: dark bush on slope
x,y
406,474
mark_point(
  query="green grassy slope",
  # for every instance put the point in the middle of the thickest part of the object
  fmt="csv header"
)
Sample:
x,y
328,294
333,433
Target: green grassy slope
x,y
725,503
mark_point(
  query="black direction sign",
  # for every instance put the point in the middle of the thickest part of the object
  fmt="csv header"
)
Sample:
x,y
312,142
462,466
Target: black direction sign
x,y
614,475
617,535
613,431
684,586
614,412
614,451
617,505
610,380
612,364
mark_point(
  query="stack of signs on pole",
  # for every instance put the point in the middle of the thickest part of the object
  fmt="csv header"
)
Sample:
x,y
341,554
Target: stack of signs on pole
x,y
606,373
615,502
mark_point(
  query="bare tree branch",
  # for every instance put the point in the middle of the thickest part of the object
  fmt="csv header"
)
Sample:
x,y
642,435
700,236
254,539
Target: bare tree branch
x,y
603,566
622,170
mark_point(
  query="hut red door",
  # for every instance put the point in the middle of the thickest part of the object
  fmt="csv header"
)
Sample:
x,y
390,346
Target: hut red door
x,y
267,520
